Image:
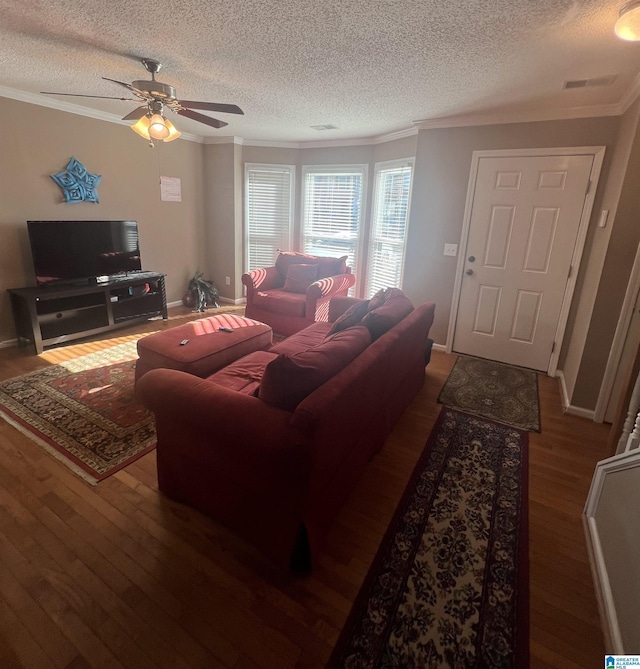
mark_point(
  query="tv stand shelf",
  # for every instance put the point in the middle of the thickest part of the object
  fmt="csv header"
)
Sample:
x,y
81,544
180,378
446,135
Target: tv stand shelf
x,y
50,315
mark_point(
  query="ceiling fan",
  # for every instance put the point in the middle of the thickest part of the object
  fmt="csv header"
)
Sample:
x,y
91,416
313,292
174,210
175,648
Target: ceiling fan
x,y
151,122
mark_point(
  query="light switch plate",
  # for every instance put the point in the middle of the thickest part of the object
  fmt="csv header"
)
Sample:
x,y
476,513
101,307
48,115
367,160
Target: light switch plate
x,y
451,249
602,223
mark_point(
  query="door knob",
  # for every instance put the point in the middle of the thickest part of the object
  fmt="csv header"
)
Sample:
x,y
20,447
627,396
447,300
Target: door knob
x,y
472,258
469,272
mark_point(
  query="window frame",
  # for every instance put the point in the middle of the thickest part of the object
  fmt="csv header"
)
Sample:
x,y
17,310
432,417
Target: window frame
x,y
363,170
268,167
377,170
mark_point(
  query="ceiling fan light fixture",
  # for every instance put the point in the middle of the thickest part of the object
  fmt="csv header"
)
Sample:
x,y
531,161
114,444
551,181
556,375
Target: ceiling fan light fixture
x,y
157,127
142,127
173,133
628,24
145,128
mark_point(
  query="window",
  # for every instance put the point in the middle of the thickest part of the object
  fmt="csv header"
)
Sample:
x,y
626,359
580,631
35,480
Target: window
x,y
391,197
268,212
333,200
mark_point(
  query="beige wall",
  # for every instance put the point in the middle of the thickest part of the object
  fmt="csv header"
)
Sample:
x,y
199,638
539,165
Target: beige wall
x,y
443,164
220,177
38,142
206,229
577,359
621,251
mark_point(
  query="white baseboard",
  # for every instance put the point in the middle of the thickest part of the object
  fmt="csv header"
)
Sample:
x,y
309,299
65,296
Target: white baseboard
x,y
230,300
8,343
439,347
222,300
569,408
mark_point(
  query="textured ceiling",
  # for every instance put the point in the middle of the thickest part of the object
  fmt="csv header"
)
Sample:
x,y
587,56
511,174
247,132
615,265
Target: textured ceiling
x,y
369,67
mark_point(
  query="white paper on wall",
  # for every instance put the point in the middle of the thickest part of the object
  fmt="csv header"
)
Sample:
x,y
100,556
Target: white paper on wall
x,y
170,189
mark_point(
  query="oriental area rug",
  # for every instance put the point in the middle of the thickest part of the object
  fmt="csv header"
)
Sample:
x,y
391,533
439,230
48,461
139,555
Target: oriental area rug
x,y
449,585
494,390
83,411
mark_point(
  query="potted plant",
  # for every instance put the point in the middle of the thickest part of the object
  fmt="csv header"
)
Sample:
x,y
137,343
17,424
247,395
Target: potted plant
x,y
201,293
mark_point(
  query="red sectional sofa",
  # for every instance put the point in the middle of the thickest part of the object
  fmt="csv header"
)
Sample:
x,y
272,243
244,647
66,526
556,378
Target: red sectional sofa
x,y
295,292
272,445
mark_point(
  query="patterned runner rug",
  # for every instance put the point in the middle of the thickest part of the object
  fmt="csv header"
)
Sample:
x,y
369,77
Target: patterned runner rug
x,y
83,411
494,390
449,585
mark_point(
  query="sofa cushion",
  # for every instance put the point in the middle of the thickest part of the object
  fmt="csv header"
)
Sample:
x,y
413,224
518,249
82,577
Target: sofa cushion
x,y
303,340
300,277
281,302
352,316
326,266
396,306
287,380
244,375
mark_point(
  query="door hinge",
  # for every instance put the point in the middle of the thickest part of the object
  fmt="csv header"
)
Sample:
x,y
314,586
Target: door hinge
x,y
553,347
588,187
570,271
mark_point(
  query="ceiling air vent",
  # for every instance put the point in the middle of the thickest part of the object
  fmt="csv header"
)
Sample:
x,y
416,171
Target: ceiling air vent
x,y
328,126
589,83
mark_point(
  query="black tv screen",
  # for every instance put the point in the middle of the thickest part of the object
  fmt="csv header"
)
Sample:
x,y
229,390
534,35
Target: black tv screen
x,y
66,251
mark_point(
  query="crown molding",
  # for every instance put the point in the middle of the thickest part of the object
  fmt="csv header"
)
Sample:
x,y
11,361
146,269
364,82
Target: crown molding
x,y
227,139
631,95
306,145
79,110
616,109
363,141
398,134
520,117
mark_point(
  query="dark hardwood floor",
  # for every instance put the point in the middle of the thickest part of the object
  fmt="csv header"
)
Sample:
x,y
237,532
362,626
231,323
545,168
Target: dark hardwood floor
x,y
118,576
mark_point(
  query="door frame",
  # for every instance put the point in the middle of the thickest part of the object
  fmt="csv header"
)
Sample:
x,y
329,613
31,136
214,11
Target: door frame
x,y
598,157
619,341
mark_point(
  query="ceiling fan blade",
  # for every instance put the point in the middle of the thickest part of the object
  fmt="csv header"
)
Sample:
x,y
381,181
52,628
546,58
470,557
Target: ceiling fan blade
x,y
211,106
122,83
80,95
207,120
136,114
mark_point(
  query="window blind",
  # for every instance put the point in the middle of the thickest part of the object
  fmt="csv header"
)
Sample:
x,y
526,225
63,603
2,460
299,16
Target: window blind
x,y
332,212
269,212
391,196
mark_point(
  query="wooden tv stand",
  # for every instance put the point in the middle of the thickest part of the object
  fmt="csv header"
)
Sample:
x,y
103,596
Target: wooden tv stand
x,y
50,315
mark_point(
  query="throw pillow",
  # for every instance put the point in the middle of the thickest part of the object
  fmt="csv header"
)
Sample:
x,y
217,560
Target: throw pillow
x,y
300,277
333,266
287,380
352,316
396,306
287,258
378,299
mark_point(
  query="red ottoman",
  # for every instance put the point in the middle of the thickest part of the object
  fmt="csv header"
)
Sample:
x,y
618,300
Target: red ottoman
x,y
208,349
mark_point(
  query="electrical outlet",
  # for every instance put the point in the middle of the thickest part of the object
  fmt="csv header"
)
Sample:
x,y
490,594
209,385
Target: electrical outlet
x,y
227,280
451,249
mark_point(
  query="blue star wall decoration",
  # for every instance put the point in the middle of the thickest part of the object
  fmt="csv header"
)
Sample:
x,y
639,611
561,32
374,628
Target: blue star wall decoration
x,y
77,184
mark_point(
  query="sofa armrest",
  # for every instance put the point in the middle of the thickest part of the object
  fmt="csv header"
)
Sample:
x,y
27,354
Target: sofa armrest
x,y
331,285
262,279
323,289
202,408
339,304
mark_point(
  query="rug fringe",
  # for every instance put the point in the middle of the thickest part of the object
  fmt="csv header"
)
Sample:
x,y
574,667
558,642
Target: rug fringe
x,y
78,471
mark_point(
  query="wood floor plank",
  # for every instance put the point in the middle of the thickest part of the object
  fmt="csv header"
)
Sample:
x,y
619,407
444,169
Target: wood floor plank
x,y
117,575
25,649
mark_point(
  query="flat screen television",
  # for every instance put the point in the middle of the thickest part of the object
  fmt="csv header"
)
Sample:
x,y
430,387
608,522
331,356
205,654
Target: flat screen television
x,y
77,251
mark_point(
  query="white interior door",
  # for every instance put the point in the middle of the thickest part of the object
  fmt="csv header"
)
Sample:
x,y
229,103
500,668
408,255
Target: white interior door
x,y
524,223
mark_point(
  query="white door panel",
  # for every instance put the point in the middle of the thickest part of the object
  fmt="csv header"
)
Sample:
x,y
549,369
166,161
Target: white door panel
x,y
524,222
